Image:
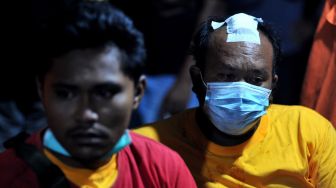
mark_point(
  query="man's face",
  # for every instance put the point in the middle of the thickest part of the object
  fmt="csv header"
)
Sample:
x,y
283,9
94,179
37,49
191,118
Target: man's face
x,y
238,61
88,101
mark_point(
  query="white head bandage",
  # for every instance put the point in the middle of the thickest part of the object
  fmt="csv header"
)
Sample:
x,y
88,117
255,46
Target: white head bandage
x,y
240,28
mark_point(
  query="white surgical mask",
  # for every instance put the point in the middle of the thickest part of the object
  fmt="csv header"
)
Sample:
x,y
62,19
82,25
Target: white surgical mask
x,y
233,106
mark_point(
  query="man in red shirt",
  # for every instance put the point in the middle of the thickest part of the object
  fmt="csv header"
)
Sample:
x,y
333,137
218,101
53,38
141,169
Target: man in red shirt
x,y
90,80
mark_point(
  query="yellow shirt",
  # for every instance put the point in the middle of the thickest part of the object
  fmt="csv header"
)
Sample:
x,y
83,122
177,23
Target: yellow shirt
x,y
293,146
102,177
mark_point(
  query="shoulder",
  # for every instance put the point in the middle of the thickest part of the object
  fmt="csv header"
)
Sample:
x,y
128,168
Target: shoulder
x,y
146,145
9,160
15,171
290,109
309,124
154,154
172,127
155,163
296,113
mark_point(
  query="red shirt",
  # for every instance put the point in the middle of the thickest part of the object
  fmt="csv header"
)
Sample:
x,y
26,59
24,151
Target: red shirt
x,y
142,164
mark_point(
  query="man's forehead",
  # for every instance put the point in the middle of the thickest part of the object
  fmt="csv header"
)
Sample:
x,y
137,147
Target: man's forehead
x,y
240,27
237,55
218,44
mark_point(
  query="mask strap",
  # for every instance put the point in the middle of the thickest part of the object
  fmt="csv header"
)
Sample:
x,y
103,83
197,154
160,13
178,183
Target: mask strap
x,y
205,85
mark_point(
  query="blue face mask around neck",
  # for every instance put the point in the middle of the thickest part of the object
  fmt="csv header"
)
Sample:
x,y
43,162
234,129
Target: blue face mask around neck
x,y
50,142
232,107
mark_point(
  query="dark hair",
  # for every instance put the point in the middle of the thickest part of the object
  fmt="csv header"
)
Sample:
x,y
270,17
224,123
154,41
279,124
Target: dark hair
x,y
84,25
201,38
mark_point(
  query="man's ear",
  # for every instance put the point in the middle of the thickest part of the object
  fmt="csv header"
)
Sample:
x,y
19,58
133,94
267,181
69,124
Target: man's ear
x,y
139,91
199,87
274,81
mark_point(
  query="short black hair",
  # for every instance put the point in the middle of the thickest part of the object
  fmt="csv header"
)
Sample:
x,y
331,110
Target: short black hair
x,y
82,25
200,43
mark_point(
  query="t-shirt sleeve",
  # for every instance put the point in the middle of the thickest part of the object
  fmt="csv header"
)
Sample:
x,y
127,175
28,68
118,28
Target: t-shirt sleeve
x,y
325,155
321,137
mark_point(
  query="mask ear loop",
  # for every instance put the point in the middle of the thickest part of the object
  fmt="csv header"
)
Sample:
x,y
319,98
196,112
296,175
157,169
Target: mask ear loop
x,y
205,85
200,88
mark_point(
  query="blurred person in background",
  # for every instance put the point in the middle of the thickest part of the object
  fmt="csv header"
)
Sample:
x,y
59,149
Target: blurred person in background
x,y
319,90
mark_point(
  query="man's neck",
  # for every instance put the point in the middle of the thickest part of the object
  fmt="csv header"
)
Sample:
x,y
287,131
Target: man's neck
x,y
217,136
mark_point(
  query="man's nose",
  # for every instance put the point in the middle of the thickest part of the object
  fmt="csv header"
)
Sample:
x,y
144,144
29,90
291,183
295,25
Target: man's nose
x,y
86,114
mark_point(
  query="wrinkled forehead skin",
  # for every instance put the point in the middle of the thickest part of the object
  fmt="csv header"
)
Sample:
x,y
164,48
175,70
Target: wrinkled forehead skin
x,y
238,53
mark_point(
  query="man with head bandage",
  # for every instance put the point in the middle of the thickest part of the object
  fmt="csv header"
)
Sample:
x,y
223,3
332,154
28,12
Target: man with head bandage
x,y
236,138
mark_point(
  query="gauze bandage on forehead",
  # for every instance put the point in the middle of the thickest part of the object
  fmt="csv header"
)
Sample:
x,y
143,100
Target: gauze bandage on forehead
x,y
240,28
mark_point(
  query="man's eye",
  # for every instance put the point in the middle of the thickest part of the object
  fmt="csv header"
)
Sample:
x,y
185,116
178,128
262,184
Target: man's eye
x,y
227,77
64,93
104,93
256,80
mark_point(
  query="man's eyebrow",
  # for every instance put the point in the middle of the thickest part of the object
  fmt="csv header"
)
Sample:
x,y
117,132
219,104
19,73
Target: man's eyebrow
x,y
64,85
262,72
108,85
